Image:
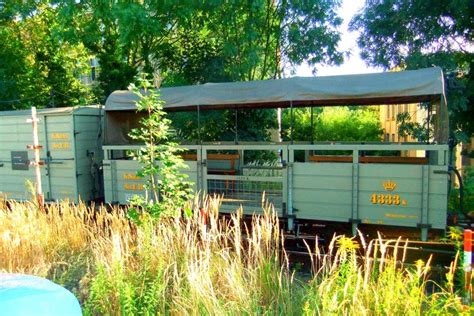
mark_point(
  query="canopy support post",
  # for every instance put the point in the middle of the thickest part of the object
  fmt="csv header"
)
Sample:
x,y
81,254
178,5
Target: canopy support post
x,y
236,137
291,122
428,123
199,124
312,127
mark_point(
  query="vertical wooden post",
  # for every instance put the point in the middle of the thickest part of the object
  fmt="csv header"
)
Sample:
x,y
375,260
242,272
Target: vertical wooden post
x,y
199,124
291,122
236,126
37,163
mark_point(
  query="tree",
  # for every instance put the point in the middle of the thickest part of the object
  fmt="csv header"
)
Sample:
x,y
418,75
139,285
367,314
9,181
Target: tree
x,y
220,125
420,33
421,131
191,42
166,190
239,41
254,40
37,66
333,124
126,37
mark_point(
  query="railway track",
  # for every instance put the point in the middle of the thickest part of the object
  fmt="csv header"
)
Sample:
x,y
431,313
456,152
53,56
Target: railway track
x,y
408,252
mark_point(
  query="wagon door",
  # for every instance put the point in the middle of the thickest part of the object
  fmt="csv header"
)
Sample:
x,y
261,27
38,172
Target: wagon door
x,y
15,169
60,168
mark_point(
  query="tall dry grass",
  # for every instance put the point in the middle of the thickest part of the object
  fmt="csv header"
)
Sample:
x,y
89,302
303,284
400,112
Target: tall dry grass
x,y
56,242
183,266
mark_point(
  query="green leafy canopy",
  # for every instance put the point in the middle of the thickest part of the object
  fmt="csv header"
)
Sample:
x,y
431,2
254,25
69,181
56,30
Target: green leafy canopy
x,y
38,66
414,34
333,124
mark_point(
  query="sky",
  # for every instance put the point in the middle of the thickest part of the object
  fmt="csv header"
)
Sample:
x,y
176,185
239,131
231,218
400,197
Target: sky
x,y
352,65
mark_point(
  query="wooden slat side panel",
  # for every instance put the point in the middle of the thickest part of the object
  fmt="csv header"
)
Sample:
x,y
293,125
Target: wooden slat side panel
x,y
322,191
121,182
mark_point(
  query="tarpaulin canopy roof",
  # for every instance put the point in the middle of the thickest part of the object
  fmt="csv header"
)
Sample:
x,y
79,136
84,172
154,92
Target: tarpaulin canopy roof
x,y
365,89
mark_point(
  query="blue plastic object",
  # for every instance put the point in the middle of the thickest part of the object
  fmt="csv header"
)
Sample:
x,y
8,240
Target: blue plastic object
x,y
31,295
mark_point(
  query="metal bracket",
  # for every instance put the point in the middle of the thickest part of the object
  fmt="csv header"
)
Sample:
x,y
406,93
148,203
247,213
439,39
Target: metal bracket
x,y
40,163
420,225
34,147
52,162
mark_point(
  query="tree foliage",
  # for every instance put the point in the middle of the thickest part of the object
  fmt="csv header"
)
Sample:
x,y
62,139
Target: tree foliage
x,y
166,190
333,124
37,65
421,33
454,203
254,40
126,37
421,131
190,42
221,125
199,41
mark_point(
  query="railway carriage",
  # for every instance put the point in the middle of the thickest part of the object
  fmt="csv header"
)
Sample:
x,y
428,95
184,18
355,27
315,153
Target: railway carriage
x,y
71,153
307,181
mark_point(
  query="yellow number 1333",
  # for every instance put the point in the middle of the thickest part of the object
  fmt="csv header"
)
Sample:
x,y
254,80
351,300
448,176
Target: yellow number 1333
x,y
389,199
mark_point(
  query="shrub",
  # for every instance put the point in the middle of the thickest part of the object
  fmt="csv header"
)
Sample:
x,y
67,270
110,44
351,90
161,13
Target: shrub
x,y
166,190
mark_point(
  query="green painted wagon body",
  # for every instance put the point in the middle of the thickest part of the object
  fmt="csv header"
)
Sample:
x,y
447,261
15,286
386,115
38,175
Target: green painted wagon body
x,y
395,194
120,180
71,151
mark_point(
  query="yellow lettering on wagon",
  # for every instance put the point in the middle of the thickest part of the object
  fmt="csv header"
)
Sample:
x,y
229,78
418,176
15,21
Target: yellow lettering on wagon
x,y
388,198
131,176
61,145
391,215
133,186
60,136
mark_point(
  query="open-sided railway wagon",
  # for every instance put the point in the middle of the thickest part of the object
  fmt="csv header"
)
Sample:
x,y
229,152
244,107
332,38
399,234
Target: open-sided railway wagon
x,y
355,187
